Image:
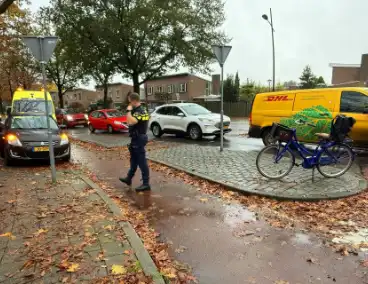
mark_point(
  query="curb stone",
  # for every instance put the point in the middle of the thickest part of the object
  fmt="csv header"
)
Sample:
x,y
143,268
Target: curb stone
x,y
141,253
363,184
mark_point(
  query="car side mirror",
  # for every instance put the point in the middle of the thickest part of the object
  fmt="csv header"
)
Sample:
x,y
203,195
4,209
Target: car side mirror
x,y
181,114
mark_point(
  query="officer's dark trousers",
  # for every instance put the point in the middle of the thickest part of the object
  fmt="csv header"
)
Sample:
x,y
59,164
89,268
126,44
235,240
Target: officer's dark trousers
x,y
138,158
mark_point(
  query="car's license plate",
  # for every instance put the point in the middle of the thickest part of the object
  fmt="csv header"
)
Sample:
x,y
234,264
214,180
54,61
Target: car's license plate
x,y
40,149
226,126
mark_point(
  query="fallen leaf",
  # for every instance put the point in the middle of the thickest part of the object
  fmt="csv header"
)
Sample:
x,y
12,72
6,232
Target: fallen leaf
x,y
203,200
40,232
127,252
9,235
73,267
118,269
365,263
281,282
311,260
65,280
33,182
11,201
108,227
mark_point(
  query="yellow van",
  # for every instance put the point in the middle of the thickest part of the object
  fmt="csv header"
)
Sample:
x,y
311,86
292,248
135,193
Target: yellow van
x,y
317,106
31,101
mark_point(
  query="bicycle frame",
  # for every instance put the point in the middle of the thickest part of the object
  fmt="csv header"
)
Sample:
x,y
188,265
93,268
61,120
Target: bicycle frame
x,y
310,158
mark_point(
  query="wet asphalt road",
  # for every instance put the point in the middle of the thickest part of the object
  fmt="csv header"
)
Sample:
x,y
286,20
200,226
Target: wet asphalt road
x,y
235,140
224,243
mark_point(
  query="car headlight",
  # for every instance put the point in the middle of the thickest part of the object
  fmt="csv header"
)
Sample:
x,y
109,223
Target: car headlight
x,y
64,140
69,117
86,116
13,140
117,123
207,121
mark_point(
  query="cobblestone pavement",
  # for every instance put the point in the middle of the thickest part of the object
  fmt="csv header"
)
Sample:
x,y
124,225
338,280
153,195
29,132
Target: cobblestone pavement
x,y
57,234
237,169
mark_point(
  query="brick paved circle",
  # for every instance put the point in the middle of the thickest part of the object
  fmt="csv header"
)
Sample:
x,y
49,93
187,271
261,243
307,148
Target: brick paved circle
x,y
237,169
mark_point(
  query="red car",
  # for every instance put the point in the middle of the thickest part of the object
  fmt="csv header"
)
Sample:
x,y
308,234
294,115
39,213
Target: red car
x,y
107,119
71,118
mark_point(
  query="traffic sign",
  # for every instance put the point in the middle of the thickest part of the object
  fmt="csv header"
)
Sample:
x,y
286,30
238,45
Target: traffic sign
x,y
221,52
42,48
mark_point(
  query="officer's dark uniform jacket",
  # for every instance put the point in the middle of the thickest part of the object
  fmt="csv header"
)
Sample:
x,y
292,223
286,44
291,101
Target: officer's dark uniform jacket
x,y
138,133
140,128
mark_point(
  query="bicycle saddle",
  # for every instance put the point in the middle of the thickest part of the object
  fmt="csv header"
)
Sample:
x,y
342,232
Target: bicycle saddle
x,y
325,136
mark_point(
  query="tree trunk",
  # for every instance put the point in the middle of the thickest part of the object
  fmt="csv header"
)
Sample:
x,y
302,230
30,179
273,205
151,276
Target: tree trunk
x,y
106,89
135,78
1,104
61,100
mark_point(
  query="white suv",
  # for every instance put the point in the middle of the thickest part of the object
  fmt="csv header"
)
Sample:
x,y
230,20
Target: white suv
x,y
187,119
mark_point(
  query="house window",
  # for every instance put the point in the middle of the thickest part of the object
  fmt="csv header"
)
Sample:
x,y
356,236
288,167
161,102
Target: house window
x,y
109,94
117,94
80,96
208,88
170,89
75,96
150,90
183,88
159,89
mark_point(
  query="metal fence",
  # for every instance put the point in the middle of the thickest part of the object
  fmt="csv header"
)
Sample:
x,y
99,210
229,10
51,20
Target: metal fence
x,y
233,109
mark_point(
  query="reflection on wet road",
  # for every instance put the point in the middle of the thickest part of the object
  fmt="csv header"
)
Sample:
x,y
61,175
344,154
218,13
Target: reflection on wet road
x,y
224,243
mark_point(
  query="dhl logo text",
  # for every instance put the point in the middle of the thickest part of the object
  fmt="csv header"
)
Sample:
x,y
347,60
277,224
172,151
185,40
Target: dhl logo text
x,y
276,98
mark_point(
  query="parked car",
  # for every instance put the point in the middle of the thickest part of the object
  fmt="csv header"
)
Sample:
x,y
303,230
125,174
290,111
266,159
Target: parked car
x,y
71,117
107,119
26,138
187,119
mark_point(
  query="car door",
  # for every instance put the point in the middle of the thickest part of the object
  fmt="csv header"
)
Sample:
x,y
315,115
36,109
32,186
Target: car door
x,y
161,116
102,120
93,119
355,104
176,118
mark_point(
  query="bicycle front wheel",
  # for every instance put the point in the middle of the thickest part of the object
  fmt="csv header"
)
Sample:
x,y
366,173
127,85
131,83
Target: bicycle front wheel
x,y
275,162
335,161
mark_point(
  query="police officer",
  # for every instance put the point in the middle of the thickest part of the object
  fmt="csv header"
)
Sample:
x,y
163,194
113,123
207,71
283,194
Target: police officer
x,y
137,118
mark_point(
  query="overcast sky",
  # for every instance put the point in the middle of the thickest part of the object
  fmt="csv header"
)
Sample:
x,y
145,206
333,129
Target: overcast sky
x,y
310,32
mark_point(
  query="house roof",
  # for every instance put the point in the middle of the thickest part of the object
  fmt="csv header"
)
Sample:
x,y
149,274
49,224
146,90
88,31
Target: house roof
x,y
344,65
114,84
185,74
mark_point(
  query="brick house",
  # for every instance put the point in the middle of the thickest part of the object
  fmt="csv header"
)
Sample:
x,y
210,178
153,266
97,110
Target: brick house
x,y
178,87
350,74
118,92
82,96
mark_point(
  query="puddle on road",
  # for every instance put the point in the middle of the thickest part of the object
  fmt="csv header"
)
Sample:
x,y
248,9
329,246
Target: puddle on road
x,y
236,214
301,239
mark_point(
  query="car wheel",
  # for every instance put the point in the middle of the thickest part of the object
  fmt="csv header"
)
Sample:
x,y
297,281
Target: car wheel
x,y
7,160
267,138
195,132
156,130
90,127
67,158
110,129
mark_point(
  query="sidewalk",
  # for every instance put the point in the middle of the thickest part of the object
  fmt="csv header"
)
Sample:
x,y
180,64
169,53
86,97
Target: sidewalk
x,y
65,233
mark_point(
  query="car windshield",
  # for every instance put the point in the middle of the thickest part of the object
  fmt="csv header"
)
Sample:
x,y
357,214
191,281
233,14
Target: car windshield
x,y
37,106
194,109
114,113
71,111
32,122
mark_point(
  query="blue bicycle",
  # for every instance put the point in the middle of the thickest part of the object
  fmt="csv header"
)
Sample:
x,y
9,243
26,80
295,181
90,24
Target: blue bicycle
x,y
332,157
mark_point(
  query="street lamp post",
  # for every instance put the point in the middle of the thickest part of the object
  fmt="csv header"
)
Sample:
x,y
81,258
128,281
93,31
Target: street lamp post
x,y
265,17
221,52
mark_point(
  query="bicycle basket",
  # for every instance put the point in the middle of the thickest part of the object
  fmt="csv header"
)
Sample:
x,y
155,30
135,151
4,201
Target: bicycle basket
x,y
281,132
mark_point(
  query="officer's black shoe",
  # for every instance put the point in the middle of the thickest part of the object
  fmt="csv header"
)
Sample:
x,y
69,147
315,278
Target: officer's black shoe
x,y
126,180
143,188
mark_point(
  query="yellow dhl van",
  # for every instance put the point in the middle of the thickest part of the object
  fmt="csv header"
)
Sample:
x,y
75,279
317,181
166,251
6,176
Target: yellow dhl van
x,y
31,101
316,106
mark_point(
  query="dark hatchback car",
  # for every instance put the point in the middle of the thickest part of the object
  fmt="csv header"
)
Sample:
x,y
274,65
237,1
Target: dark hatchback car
x,y
25,138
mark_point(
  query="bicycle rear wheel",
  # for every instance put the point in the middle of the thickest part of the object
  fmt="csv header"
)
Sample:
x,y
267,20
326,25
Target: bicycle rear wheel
x,y
335,161
275,163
